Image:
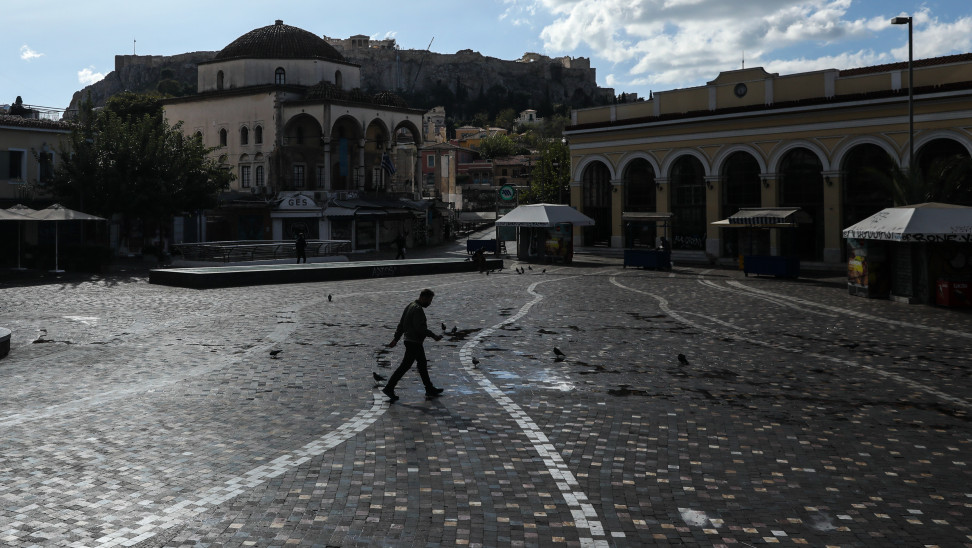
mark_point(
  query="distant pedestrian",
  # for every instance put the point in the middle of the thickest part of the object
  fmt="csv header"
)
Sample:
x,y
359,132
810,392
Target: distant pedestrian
x,y
301,246
479,258
400,245
413,326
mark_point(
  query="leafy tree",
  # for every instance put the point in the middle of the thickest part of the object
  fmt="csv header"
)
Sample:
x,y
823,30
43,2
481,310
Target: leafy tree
x,y
947,180
497,146
132,106
136,166
550,178
505,118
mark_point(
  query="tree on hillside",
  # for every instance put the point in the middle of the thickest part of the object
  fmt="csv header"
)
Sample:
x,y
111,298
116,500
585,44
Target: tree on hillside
x,y
136,165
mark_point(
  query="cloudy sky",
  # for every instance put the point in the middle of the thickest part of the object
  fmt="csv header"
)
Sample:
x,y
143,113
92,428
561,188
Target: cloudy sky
x,y
52,48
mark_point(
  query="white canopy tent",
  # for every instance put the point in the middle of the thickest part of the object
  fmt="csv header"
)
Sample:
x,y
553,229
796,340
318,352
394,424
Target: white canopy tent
x,y
544,215
927,222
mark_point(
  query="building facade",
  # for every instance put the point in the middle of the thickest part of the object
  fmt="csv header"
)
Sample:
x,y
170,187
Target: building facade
x,y
29,151
284,109
819,141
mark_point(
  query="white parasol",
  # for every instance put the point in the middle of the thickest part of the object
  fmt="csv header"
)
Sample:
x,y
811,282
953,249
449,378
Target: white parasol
x,y
57,213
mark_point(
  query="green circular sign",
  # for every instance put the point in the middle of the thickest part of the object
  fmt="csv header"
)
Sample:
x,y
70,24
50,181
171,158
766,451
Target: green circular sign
x,y
507,193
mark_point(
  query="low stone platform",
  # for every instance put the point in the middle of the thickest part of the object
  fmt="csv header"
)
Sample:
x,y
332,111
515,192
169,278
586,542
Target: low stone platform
x,y
227,276
4,342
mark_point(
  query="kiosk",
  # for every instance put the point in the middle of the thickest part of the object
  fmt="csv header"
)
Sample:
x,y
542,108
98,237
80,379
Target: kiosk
x,y
766,218
545,231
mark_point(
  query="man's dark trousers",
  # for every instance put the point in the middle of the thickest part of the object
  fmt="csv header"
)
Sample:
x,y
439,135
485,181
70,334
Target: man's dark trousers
x,y
414,351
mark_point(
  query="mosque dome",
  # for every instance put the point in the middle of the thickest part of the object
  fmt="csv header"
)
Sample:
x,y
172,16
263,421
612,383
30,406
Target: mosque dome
x,y
279,41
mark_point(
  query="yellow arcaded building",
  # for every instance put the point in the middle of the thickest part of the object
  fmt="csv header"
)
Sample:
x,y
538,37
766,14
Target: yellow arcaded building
x,y
819,141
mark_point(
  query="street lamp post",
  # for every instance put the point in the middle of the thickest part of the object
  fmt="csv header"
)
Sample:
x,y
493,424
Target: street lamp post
x,y
911,89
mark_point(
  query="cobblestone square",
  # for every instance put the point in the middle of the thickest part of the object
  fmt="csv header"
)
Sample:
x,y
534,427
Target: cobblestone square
x,y
144,415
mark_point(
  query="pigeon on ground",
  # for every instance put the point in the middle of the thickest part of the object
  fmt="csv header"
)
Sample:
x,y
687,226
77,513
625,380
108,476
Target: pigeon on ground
x,y
378,378
558,352
530,267
453,330
488,271
544,271
443,327
273,353
682,359
475,362
329,297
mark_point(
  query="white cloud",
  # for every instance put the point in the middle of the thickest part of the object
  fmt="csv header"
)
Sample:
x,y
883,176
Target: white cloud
x,y
676,43
88,76
28,54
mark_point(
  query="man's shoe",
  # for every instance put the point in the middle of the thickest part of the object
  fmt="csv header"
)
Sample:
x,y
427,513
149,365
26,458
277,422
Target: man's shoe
x,y
390,393
433,392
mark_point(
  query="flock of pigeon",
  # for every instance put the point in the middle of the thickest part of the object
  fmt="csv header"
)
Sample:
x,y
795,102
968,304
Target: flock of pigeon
x,y
559,355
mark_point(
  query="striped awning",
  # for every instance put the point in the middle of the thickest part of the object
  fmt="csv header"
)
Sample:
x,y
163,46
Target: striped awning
x,y
766,217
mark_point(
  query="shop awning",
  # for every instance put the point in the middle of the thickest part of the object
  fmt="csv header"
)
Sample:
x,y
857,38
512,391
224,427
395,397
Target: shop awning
x,y
544,215
476,216
646,216
928,222
765,217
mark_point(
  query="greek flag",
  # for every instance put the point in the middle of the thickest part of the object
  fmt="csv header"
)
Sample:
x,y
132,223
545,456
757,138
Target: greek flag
x,y
387,165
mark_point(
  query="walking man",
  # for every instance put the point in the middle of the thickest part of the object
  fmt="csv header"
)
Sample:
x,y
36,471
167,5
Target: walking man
x,y
413,326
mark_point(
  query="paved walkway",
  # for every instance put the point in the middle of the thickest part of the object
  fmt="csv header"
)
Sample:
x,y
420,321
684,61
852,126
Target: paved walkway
x,y
144,415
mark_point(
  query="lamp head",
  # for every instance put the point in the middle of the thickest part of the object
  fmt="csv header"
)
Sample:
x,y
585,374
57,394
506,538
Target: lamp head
x,y
901,20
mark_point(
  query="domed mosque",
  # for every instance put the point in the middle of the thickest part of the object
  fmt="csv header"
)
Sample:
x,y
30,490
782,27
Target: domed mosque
x,y
312,152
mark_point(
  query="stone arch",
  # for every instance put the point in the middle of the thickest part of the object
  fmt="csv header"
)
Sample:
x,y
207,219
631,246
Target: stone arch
x,y
302,130
778,153
344,138
675,155
632,156
578,173
840,153
725,153
926,138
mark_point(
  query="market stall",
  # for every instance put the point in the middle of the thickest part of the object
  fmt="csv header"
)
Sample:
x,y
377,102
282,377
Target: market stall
x,y
763,219
914,253
545,231
646,239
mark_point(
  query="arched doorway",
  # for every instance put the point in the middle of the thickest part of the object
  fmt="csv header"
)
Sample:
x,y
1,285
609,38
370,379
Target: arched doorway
x,y
639,196
864,175
344,154
596,186
687,184
740,189
801,185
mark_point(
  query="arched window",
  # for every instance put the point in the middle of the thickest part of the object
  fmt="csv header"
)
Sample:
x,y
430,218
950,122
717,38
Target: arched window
x,y
339,79
259,176
198,135
222,137
801,185
219,80
258,135
280,76
596,187
244,136
687,188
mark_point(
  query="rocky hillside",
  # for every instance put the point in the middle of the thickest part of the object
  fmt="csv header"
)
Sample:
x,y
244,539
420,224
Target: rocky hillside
x,y
465,82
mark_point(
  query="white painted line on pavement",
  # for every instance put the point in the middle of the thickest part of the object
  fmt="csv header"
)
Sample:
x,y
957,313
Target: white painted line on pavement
x,y
663,304
580,508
